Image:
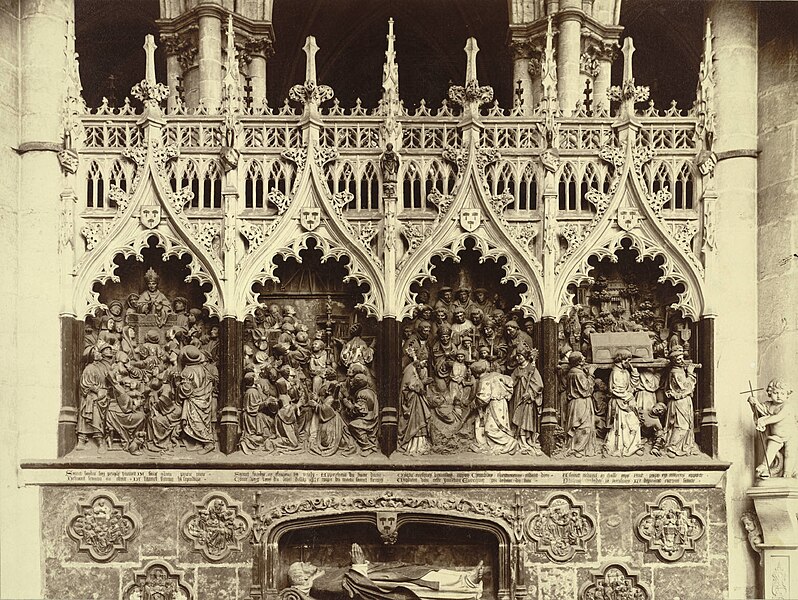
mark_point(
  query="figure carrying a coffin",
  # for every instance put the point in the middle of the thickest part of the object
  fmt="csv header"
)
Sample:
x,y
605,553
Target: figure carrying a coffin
x,y
623,436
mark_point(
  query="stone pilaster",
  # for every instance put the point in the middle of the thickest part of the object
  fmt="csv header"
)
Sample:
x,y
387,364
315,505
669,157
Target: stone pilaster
x,y
548,417
522,53
731,283
230,375
389,366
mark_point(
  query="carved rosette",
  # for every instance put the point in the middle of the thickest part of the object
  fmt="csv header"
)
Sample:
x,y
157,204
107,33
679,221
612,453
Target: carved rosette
x,y
614,581
103,526
217,526
158,580
669,527
560,528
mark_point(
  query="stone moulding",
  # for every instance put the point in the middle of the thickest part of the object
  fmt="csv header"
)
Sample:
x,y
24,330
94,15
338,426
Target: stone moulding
x,y
614,580
158,580
670,527
103,526
560,528
216,526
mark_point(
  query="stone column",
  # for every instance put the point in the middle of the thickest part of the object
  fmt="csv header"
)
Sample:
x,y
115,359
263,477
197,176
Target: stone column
x,y
231,372
603,80
210,58
257,70
706,386
548,417
522,52
389,367
569,46
173,71
71,351
731,283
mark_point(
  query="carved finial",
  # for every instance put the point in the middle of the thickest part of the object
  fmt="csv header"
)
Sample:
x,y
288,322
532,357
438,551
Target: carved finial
x,y
149,51
471,50
548,68
310,48
705,97
391,105
628,94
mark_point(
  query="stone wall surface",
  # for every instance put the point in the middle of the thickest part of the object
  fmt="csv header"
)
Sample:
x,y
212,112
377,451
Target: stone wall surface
x,y
73,573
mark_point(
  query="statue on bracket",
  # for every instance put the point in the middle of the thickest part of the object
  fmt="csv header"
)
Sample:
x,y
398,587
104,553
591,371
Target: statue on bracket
x,y
776,421
150,381
308,390
364,580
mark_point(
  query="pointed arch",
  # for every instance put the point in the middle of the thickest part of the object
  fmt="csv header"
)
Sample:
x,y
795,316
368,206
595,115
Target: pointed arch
x,y
663,180
684,188
211,189
280,177
566,188
189,179
95,186
501,178
439,177
590,181
118,176
412,190
253,185
368,193
528,188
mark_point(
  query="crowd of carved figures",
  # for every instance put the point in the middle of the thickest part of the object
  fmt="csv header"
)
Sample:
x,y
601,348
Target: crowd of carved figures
x,y
469,378
149,380
305,389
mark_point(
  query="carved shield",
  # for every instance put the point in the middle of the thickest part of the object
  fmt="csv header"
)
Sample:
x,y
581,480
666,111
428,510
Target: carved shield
x,y
470,218
310,218
387,522
628,218
150,216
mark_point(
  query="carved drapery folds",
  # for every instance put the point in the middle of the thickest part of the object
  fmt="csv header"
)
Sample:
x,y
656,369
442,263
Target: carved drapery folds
x,y
103,526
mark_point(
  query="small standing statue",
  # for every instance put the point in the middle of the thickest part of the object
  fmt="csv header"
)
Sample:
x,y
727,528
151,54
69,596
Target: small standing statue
x,y
152,300
623,437
779,419
389,163
679,389
580,423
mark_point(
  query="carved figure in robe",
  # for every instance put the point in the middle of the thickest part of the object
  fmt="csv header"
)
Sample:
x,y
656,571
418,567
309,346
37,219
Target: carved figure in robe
x,y
417,347
364,411
460,381
778,417
196,393
152,301
623,437
257,425
415,410
444,301
462,299
318,364
516,341
679,390
164,414
526,401
441,359
483,301
356,350
330,432
580,422
94,388
180,310
492,431
461,326
389,164
398,581
125,417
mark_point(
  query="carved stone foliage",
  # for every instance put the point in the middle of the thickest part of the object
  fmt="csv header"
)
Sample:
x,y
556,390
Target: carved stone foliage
x,y
103,526
669,527
216,526
615,582
387,502
560,528
158,580
149,380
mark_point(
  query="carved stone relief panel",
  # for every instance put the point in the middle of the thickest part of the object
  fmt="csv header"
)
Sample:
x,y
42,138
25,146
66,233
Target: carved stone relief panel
x,y
158,580
560,528
103,526
149,378
469,376
626,356
615,582
309,365
217,526
669,527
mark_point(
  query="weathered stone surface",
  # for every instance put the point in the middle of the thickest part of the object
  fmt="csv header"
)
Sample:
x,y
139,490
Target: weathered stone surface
x,y
79,583
777,158
557,584
218,583
615,524
776,310
162,509
691,582
771,200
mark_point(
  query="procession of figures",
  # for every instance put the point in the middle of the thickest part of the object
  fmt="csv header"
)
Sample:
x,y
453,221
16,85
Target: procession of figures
x,y
469,378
